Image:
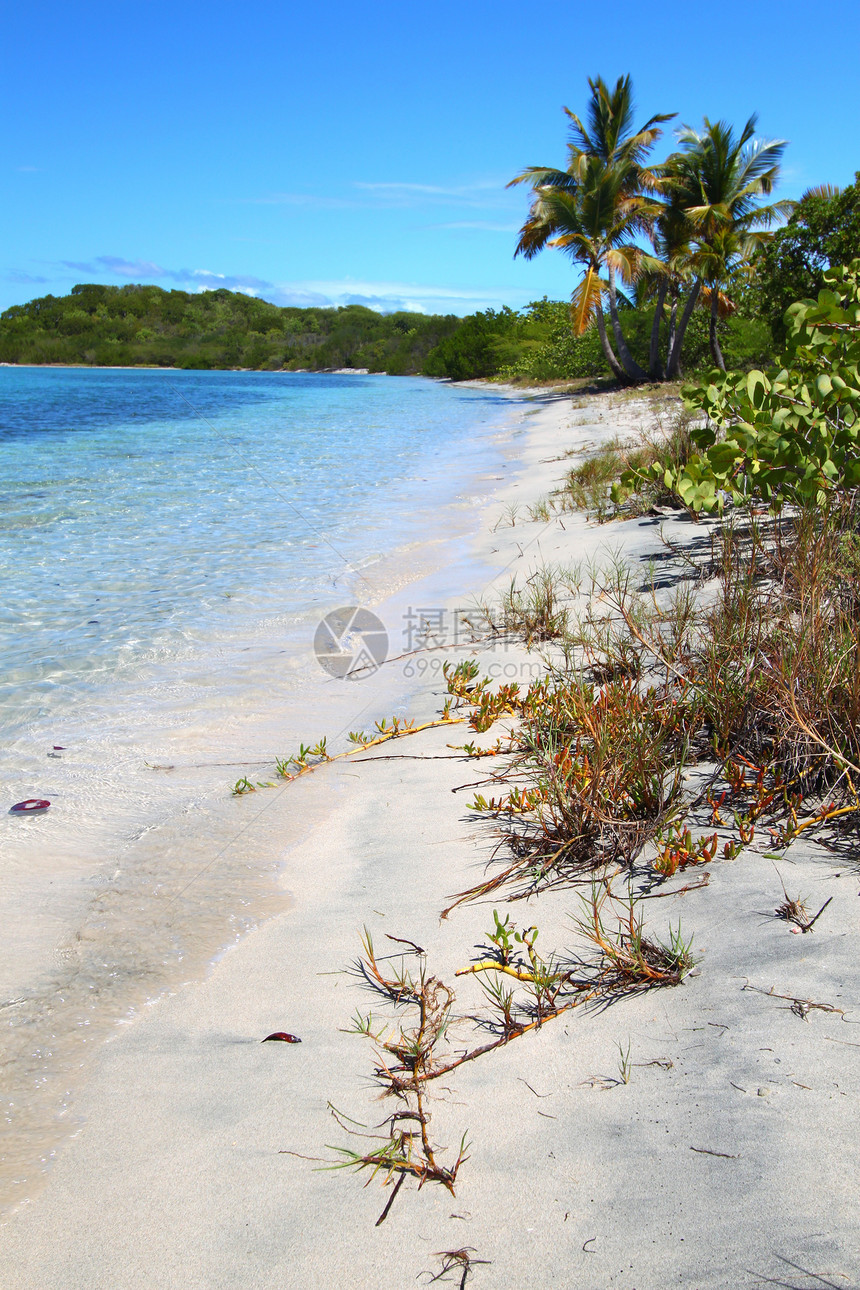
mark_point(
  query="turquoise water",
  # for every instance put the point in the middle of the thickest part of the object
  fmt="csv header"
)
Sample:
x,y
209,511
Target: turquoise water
x,y
141,509
168,542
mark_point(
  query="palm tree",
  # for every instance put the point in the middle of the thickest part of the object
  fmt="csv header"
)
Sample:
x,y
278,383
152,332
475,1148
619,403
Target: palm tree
x,y
718,179
595,210
665,273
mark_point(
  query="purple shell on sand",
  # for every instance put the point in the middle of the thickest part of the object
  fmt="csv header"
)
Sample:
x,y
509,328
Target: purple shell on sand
x,y
283,1036
32,806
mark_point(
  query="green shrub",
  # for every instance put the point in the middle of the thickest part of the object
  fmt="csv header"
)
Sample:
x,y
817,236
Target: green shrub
x,y
789,437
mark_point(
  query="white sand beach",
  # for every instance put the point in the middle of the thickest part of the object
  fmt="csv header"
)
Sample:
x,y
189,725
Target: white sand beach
x,y
729,1158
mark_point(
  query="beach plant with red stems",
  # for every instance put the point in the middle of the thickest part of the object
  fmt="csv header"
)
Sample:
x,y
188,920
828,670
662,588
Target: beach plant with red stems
x,y
405,1057
408,1047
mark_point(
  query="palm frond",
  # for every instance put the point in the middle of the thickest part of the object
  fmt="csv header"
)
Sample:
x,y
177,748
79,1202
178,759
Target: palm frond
x,y
585,301
542,177
626,262
826,191
725,306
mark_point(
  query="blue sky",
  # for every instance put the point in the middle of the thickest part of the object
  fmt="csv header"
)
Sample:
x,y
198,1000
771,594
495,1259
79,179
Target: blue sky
x,y
337,152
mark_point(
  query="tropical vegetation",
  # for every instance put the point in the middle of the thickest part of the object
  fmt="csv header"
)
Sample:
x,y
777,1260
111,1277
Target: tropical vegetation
x,y
693,223
822,232
595,210
788,437
145,325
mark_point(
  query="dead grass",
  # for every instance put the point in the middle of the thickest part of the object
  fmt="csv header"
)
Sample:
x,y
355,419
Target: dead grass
x,y
666,439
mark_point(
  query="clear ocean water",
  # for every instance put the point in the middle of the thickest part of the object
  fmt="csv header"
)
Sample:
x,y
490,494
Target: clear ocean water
x,y
168,541
141,509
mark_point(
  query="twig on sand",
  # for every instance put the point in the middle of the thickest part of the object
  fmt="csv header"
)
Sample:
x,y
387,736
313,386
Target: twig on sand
x,y
800,1007
533,1090
808,927
679,891
452,1259
797,1267
401,940
390,1201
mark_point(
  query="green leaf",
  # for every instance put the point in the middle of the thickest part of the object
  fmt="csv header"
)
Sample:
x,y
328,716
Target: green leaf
x,y
757,387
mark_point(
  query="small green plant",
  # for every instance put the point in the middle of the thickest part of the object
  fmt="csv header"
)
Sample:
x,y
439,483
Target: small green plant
x,y
503,937
508,517
630,959
534,610
406,1058
539,511
461,678
624,1063
547,988
676,849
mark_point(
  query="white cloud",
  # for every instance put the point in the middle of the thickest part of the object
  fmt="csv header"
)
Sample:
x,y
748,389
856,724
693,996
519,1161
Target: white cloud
x,y
131,268
477,194
395,193
147,271
433,190
387,297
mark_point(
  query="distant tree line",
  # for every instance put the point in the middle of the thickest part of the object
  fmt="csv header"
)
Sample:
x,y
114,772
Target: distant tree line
x,y
146,326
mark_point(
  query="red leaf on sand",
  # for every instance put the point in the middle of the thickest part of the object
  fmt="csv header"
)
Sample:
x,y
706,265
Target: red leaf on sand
x,y
283,1036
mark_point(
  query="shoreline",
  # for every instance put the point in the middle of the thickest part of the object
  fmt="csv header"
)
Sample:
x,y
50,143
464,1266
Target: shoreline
x,y
89,942
712,1167
158,367
75,967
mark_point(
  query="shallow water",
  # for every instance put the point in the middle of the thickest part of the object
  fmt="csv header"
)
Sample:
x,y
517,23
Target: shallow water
x,y
168,541
143,511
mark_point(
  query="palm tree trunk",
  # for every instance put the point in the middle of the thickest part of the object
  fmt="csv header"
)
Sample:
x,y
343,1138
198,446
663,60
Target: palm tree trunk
x,y
673,366
608,352
655,367
673,319
631,367
716,352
